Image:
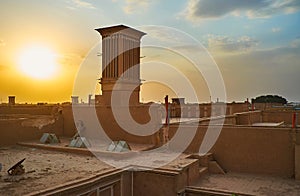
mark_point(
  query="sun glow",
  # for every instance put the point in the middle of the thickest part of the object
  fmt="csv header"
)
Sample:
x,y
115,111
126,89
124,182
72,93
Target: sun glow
x,y
38,62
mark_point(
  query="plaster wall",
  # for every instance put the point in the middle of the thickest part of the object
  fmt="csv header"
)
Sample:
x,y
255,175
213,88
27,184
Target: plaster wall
x,y
248,149
28,109
279,116
248,118
18,130
297,162
143,183
112,128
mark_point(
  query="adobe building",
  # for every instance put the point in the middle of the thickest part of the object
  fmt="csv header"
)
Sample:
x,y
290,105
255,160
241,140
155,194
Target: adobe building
x,y
120,86
120,64
243,147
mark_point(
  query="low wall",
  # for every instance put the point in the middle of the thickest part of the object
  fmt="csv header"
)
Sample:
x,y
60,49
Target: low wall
x,y
248,149
28,122
297,162
271,116
205,109
237,107
279,116
248,118
228,120
28,109
269,151
13,131
165,182
105,120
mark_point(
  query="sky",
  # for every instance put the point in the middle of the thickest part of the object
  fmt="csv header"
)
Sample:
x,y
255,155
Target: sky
x,y
254,44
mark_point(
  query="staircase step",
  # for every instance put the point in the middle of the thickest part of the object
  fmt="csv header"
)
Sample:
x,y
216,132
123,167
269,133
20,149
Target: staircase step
x,y
203,171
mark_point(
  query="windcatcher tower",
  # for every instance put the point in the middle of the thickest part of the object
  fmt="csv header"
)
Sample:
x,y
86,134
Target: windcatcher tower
x,y
120,64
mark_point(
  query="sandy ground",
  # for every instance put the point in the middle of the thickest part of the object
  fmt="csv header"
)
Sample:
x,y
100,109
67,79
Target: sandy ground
x,y
139,157
44,169
252,184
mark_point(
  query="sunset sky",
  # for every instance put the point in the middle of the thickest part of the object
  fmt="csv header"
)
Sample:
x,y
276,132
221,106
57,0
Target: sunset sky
x,y
255,43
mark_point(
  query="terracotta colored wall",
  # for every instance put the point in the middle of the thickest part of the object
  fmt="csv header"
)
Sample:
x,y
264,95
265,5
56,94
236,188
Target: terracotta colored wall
x,y
229,120
109,124
28,109
248,118
249,149
274,116
297,162
278,116
204,110
69,125
16,122
144,182
237,107
166,183
256,150
126,183
13,131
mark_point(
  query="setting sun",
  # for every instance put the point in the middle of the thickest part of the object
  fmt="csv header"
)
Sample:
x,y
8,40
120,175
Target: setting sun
x,y
38,62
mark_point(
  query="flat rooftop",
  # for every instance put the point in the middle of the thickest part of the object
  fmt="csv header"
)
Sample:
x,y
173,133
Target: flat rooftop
x,y
45,169
250,184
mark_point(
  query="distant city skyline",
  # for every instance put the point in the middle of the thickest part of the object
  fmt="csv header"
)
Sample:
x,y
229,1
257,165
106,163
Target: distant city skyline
x,y
254,43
